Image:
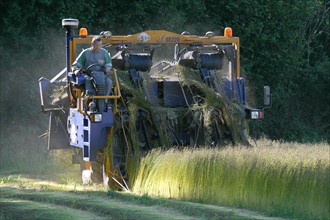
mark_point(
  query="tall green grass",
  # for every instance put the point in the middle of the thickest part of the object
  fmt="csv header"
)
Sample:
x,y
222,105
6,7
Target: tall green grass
x,y
282,179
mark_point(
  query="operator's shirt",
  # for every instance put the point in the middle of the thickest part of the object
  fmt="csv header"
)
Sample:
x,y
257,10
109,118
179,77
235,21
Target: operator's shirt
x,y
88,57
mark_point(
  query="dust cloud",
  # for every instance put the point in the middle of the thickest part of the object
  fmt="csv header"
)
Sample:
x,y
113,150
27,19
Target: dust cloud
x,y
21,119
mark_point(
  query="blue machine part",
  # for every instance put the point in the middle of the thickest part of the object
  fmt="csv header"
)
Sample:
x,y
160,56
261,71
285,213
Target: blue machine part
x,y
76,79
240,90
90,136
227,87
175,95
210,61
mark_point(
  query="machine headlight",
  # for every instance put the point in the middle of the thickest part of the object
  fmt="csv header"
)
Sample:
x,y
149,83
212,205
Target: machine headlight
x,y
256,115
96,117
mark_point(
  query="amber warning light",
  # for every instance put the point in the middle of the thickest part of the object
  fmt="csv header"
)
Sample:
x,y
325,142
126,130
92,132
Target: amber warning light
x,y
83,32
228,32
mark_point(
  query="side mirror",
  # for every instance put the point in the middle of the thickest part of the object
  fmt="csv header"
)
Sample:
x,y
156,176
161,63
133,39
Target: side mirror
x,y
267,96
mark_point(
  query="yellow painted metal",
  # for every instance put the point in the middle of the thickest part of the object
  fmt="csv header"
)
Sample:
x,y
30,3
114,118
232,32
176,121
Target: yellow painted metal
x,y
160,37
108,156
238,61
114,97
107,166
79,102
88,165
73,53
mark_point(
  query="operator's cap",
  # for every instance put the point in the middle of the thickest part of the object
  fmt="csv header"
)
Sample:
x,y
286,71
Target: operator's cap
x,y
96,39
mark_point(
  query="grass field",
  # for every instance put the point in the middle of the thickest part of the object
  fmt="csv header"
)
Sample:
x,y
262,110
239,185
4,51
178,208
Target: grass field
x,y
26,197
280,179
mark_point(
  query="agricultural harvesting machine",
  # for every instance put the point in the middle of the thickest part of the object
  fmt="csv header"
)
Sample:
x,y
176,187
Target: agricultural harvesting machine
x,y
197,98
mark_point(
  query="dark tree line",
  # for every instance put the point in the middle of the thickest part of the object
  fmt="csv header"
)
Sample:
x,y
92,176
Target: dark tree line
x,y
284,44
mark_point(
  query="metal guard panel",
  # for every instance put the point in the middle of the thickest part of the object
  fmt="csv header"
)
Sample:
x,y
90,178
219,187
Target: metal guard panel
x,y
240,90
88,135
98,134
175,95
76,128
58,137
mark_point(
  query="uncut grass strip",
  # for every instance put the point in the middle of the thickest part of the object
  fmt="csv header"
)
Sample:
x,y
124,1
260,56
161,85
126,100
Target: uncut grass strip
x,y
25,209
105,206
280,182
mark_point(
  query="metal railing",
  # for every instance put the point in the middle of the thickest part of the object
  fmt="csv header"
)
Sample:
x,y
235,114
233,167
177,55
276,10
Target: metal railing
x,y
115,97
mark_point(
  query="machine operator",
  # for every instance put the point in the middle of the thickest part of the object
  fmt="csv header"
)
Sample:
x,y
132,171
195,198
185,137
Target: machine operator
x,y
94,55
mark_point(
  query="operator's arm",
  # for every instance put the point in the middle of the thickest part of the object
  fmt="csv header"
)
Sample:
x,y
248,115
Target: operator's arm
x,y
108,63
78,64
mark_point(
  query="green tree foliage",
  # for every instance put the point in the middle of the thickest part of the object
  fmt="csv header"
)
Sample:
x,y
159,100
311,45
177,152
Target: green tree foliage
x,y
284,44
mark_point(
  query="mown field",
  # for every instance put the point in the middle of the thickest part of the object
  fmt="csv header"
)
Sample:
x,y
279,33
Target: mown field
x,y
27,197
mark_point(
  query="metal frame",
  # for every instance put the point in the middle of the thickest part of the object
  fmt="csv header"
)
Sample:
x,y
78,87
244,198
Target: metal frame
x,y
159,37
